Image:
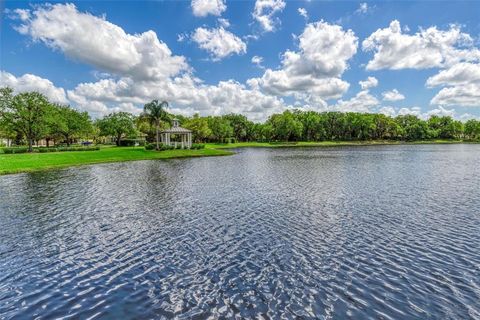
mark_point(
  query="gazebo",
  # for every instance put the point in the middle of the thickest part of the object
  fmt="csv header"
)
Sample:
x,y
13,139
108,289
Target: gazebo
x,y
185,134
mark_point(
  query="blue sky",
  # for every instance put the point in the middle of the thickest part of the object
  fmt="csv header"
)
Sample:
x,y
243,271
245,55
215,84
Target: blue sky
x,y
421,57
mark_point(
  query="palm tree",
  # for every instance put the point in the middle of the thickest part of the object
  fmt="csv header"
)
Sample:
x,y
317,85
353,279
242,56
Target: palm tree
x,y
155,112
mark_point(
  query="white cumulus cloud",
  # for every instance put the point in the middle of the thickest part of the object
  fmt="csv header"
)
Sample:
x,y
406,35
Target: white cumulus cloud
x,y
219,42
461,85
264,13
202,8
370,82
428,48
315,69
392,95
95,41
30,82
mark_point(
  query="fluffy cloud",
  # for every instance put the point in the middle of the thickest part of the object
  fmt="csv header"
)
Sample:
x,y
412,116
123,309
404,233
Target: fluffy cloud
x,y
370,82
219,42
361,102
264,13
202,8
90,39
463,95
459,74
392,95
462,83
324,50
188,95
30,82
416,111
425,49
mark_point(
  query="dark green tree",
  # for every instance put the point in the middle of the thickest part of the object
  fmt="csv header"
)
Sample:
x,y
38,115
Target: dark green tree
x,y
117,125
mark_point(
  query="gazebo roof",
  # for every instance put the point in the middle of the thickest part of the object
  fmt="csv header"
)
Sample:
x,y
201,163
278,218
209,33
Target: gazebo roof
x,y
176,130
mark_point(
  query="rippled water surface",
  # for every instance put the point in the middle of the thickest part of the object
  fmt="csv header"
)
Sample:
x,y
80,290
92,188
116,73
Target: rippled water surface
x,y
387,232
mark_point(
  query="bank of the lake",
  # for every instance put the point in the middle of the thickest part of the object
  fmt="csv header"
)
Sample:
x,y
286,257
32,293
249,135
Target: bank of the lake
x,y
27,162
326,143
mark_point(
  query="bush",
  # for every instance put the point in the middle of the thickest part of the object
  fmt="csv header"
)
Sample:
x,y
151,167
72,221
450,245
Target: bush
x,y
131,142
197,146
149,146
62,149
15,150
44,150
127,143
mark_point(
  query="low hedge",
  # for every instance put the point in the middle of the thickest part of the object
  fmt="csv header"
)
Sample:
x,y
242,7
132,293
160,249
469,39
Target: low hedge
x,y
131,142
163,147
197,146
45,150
61,149
15,150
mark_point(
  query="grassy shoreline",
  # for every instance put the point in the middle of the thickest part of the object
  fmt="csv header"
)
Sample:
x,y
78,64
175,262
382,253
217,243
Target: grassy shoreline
x,y
19,163
30,162
328,143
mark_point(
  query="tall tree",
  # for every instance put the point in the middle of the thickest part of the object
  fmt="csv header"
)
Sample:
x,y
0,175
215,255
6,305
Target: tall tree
x,y
199,127
70,123
155,111
285,126
27,115
221,128
117,125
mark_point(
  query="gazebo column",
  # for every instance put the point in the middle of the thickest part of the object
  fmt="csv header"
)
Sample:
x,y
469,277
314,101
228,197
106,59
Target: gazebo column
x,y
189,139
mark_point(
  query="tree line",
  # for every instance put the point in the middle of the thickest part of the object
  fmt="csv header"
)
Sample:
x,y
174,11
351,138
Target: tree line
x,y
29,117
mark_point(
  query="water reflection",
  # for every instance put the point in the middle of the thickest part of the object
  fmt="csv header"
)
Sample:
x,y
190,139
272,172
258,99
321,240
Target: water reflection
x,y
363,232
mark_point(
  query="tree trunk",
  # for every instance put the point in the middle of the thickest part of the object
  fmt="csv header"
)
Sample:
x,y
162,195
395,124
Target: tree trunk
x,y
68,141
158,140
48,142
30,144
118,140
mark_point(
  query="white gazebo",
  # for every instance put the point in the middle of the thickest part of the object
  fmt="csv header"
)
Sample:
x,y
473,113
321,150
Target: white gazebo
x,y
185,134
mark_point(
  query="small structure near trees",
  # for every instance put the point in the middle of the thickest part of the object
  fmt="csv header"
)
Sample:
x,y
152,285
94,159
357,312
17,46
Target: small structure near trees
x,y
176,131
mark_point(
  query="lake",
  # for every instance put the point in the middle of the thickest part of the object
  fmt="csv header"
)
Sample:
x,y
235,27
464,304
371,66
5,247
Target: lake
x,y
381,232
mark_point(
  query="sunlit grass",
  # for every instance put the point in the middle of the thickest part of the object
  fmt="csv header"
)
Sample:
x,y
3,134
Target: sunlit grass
x,y
26,162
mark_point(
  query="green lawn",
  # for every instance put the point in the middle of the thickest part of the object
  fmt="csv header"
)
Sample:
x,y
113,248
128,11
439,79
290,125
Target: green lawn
x,y
25,162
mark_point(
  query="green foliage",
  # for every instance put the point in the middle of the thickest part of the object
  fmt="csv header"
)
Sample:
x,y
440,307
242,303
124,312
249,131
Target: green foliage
x,y
198,146
27,115
155,113
117,125
285,126
67,123
220,127
14,150
472,129
199,126
128,142
149,146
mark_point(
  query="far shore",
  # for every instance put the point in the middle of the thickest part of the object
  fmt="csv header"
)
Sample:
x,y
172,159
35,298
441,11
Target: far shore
x,y
31,162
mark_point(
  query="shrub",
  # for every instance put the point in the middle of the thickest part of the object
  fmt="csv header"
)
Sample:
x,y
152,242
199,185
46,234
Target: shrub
x,y
198,146
149,146
62,149
127,143
15,150
131,142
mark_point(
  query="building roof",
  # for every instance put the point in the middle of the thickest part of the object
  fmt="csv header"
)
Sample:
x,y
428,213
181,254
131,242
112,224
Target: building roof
x,y
176,130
